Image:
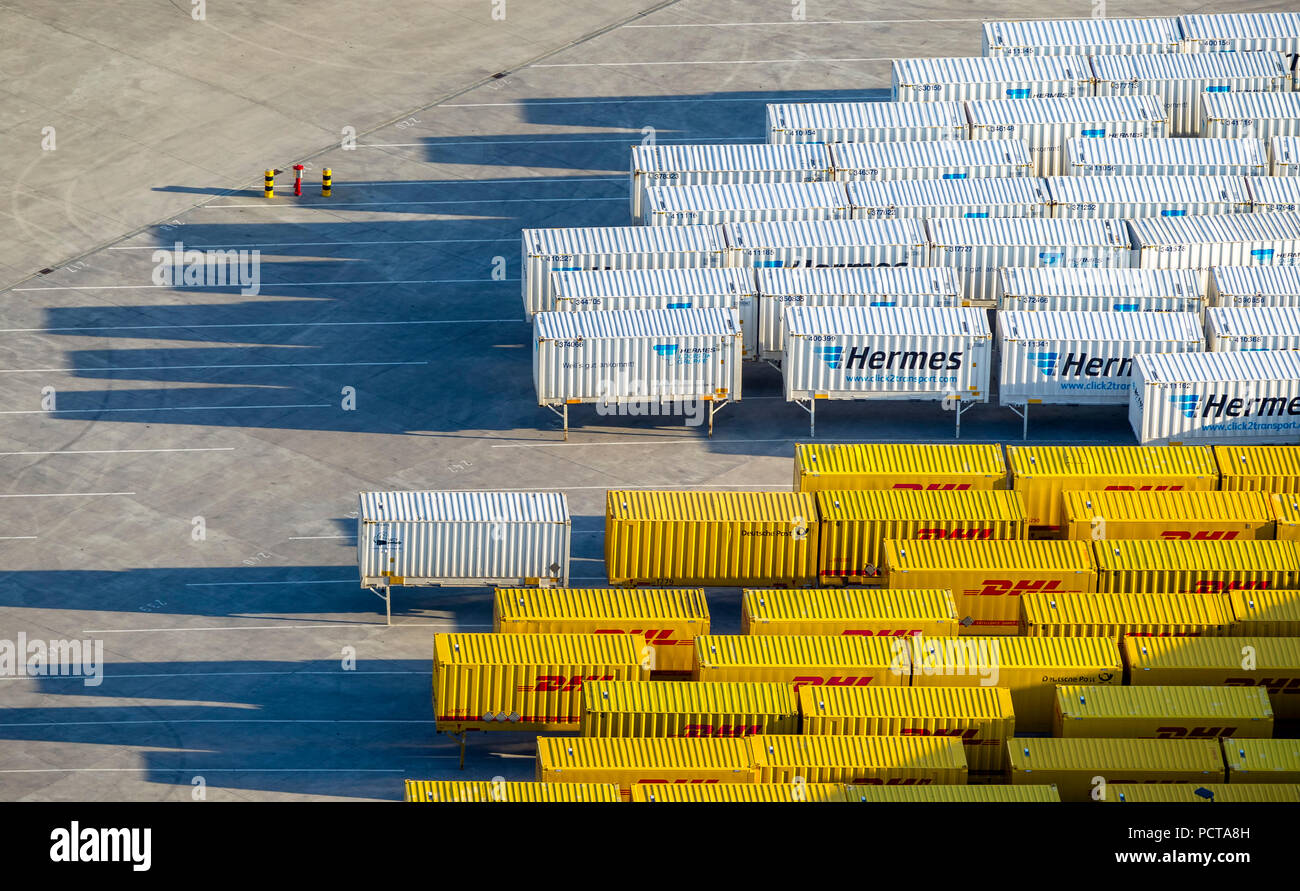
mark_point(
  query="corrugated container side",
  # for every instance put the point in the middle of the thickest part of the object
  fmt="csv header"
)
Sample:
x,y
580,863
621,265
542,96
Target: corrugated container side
x,y
631,761
798,659
688,708
1250,115
732,793
1131,196
1178,516
983,77
1074,764
1259,468
922,467
1284,156
1254,286
942,159
1266,613
1253,328
816,243
830,122
859,760
1204,567
1203,241
1166,156
1204,792
1286,512
989,794
1119,615
715,204
970,198
1082,37
1262,760
471,791
1274,661
1114,712
1047,288
855,611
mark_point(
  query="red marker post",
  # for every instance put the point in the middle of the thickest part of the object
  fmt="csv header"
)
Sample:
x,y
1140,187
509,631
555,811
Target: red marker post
x,y
297,179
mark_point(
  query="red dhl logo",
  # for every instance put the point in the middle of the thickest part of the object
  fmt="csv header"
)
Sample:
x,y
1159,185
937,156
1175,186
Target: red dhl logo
x,y
994,587
847,681
558,683
956,534
648,782
1176,535
659,637
934,487
1214,586
721,730
1143,488
1273,685
1162,634
965,735
893,781
898,632
1194,732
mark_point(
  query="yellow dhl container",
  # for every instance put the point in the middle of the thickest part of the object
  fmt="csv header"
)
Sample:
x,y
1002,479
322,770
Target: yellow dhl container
x,y
1196,567
525,681
981,718
500,790
858,760
1259,468
631,761
1178,516
687,708
895,613
764,793
710,538
943,467
798,659
854,525
989,794
1074,764
1269,662
1162,712
1209,792
1041,473
1030,667
1118,615
1266,613
1286,515
668,619
1262,760
987,578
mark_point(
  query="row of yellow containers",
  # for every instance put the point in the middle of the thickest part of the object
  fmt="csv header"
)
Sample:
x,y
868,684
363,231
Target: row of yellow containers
x,y
1183,516
1041,473
734,793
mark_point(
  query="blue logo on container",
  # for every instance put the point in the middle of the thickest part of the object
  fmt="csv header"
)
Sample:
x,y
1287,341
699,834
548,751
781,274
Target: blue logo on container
x,y
1173,213
954,176
1218,89
1094,132
666,350
1050,258
1263,255
1125,307
831,355
977,215
1018,93
883,303
677,306
768,264
1186,403
1045,362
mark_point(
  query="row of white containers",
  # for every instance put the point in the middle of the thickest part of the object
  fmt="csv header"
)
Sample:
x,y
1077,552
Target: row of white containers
x,y
1233,32
976,248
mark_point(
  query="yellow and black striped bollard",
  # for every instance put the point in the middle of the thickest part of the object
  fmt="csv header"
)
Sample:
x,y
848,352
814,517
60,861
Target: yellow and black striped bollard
x,y
326,180
268,187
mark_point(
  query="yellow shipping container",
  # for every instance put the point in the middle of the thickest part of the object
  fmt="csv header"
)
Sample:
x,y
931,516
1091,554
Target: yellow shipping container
x,y
500,790
687,708
728,793
1266,613
1030,667
858,760
987,794
1193,792
1269,662
1262,760
1073,764
1162,712
710,538
1041,473
630,761
525,681
987,578
980,717
1178,516
1117,615
893,613
1259,468
668,619
886,465
1196,567
1286,515
854,525
798,659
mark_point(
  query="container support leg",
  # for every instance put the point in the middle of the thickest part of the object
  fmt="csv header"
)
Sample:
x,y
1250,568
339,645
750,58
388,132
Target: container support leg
x,y
1023,414
388,605
460,738
811,407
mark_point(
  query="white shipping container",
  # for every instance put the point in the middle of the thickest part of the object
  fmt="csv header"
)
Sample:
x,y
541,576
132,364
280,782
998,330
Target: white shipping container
x,y
855,352
1106,290
1253,327
1087,37
864,122
1179,80
1084,358
1147,196
826,243
983,77
1250,115
969,198
745,202
1241,32
463,538
1167,156
612,247
1284,156
1254,286
700,165
1048,124
1216,398
1200,242
1274,194
978,248
940,159
860,286
722,288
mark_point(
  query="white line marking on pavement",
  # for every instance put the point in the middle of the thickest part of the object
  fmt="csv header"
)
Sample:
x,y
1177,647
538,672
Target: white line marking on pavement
x,y
406,203
630,137
418,281
226,721
82,411
709,62
255,325
203,674
317,537
253,244
190,367
283,627
17,538
200,770
793,22
679,440
546,103
356,582
67,495
119,451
